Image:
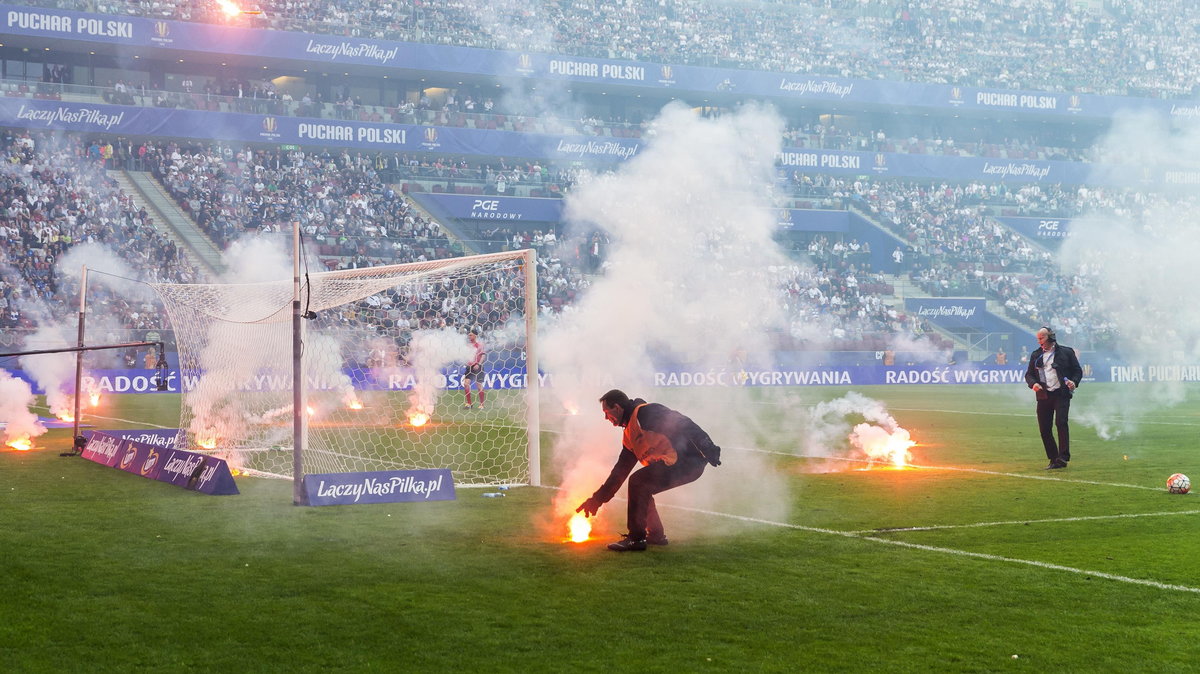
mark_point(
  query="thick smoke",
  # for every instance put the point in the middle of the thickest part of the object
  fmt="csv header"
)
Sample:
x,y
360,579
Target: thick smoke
x,y
688,283
15,399
1135,255
429,352
53,372
853,425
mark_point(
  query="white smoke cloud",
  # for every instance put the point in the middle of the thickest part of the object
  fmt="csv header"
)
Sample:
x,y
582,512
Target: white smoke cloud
x,y
16,396
688,281
1137,256
429,352
831,423
53,372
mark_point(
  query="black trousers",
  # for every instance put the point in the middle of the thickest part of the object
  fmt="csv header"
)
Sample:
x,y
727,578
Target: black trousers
x,y
1052,413
650,480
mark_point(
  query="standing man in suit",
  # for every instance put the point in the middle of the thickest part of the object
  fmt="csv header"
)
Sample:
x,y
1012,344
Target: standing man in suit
x,y
1053,373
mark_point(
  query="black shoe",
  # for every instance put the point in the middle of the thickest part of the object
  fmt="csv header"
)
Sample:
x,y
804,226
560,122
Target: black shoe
x,y
1055,465
628,544
660,539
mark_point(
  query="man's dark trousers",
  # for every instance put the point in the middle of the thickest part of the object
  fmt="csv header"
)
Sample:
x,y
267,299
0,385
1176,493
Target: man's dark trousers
x,y
1052,412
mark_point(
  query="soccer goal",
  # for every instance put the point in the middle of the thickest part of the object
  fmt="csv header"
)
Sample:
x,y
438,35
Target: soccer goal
x,y
385,355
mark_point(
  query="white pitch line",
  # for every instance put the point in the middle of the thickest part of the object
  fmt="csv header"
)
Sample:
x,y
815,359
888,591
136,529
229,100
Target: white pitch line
x,y
938,527
1151,422
981,471
951,551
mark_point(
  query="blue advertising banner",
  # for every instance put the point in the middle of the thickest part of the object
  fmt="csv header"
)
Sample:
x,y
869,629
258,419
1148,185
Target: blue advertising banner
x,y
531,209
1047,231
469,207
387,486
189,470
205,125
140,35
949,312
811,220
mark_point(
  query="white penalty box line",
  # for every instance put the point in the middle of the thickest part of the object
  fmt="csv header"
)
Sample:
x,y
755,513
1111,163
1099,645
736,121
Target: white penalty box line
x,y
874,537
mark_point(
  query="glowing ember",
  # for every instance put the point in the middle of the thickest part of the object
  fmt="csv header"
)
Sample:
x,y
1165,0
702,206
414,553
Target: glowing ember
x,y
94,399
355,404
418,419
580,528
207,443
310,410
882,446
23,444
571,408
65,416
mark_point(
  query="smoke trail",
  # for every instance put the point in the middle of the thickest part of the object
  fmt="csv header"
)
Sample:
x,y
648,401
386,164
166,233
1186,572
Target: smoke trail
x,y
1134,254
834,430
15,398
53,372
429,352
688,282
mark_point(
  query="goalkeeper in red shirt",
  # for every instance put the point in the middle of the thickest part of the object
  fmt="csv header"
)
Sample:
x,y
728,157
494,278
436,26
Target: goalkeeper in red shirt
x,y
673,451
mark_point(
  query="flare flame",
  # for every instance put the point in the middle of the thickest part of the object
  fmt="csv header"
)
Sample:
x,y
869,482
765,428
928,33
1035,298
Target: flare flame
x,y
580,528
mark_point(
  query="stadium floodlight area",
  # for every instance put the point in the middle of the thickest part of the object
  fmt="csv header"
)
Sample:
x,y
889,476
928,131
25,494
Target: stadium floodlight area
x,y
382,351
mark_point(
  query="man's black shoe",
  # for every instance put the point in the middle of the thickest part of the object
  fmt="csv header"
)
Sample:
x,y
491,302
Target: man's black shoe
x,y
660,539
1055,465
628,544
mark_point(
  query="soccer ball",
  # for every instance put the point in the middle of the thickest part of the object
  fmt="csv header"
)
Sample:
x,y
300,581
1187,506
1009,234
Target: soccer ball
x,y
1178,484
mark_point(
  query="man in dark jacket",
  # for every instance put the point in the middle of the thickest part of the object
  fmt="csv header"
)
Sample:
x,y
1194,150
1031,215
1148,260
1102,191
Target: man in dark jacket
x,y
1053,373
673,451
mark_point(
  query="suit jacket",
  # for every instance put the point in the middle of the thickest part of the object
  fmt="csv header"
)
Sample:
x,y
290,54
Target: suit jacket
x,y
1066,364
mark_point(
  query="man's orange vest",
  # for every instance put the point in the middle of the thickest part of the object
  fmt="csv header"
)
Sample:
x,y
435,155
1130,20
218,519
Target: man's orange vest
x,y
648,446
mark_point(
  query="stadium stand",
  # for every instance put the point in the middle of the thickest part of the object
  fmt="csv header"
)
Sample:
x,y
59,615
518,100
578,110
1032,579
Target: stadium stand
x,y
354,204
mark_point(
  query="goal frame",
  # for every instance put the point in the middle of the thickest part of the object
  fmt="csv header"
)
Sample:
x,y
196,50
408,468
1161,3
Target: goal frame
x,y
532,380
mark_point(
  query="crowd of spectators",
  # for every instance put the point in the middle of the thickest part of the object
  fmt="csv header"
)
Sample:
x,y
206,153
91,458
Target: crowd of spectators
x,y
1118,47
57,195
345,205
54,195
955,248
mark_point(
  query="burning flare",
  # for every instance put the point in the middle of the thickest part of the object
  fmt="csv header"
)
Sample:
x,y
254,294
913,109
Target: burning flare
x,y
229,7
580,528
417,419
21,444
65,416
355,404
209,442
883,447
94,398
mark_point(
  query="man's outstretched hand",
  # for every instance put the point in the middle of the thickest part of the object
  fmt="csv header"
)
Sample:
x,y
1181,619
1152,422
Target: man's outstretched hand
x,y
589,507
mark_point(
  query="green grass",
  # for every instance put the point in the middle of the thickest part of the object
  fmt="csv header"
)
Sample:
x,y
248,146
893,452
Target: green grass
x,y
106,571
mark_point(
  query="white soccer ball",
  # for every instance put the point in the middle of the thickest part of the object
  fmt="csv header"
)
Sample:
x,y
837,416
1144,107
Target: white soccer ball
x,y
1178,484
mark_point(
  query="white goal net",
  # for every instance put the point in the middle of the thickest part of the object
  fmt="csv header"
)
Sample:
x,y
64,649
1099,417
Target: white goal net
x,y
386,355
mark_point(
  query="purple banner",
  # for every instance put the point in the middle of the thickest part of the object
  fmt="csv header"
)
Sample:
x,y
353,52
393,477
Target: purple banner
x,y
189,470
163,438
388,486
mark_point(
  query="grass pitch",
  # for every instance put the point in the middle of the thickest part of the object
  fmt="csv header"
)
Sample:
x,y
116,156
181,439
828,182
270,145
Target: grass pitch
x,y
960,565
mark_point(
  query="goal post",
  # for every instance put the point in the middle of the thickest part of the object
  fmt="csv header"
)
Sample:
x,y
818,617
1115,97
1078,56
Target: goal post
x,y
365,370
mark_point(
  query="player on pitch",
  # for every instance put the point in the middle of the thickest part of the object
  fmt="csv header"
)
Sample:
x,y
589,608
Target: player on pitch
x,y
473,372
673,451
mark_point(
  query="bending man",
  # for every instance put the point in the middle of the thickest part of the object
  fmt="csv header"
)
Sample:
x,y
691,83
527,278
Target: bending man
x,y
673,451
